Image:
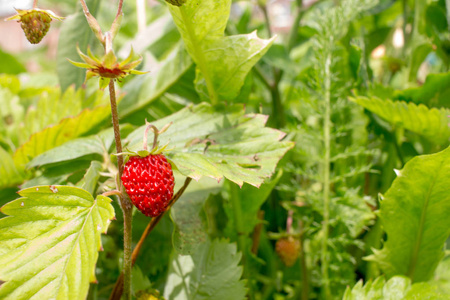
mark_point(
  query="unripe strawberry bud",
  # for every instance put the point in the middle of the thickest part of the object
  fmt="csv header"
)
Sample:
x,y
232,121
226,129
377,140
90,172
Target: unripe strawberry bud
x,y
34,22
176,2
288,250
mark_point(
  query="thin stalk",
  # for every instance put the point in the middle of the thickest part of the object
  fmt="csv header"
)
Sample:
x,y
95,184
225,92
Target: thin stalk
x,y
326,179
118,287
294,30
256,238
35,4
124,201
239,227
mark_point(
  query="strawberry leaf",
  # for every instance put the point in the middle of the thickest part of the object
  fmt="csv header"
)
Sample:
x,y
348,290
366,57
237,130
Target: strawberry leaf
x,y
431,123
414,213
10,175
222,62
49,243
212,272
396,288
190,228
218,143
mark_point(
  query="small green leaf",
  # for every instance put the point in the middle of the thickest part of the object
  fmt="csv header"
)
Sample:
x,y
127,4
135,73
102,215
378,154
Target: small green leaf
x,y
89,181
222,62
431,123
212,272
190,229
435,92
218,144
414,213
10,175
9,64
397,288
67,129
49,243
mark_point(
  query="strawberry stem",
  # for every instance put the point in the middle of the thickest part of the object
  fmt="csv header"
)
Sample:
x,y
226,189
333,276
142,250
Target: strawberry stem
x,y
125,202
155,136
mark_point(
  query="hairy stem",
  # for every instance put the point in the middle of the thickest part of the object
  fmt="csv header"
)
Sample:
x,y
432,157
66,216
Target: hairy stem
x,y
257,232
326,179
118,287
124,201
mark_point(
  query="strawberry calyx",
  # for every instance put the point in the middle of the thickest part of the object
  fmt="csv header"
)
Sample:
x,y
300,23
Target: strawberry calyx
x,y
156,148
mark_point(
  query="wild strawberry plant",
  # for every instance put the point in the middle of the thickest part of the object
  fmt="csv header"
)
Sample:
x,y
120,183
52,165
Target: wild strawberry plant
x,y
344,195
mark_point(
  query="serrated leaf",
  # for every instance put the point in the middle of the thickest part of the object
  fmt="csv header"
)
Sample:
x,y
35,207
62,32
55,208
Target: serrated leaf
x,y
431,123
396,288
414,214
95,144
222,62
218,144
190,229
67,129
434,92
10,175
212,272
51,107
49,243
142,90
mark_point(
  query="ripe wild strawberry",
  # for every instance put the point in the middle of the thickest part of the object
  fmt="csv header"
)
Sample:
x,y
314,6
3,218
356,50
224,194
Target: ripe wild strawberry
x,y
288,250
34,22
149,182
148,177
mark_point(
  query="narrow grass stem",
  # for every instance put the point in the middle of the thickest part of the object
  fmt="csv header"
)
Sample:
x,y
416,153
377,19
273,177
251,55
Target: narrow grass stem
x,y
326,180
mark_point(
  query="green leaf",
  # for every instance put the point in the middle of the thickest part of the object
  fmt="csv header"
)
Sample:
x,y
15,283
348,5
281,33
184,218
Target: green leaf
x,y
189,227
212,272
10,175
95,144
89,181
74,31
432,123
396,288
50,109
143,90
434,92
218,144
414,213
250,200
222,62
49,243
10,65
67,129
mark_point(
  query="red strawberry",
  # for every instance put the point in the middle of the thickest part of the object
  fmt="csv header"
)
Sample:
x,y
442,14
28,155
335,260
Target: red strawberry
x,y
288,250
149,182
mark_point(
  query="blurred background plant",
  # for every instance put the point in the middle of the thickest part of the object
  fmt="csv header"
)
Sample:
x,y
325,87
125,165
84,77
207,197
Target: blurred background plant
x,y
362,87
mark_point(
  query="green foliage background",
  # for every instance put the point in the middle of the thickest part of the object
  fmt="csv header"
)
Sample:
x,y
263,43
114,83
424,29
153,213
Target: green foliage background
x,y
308,132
